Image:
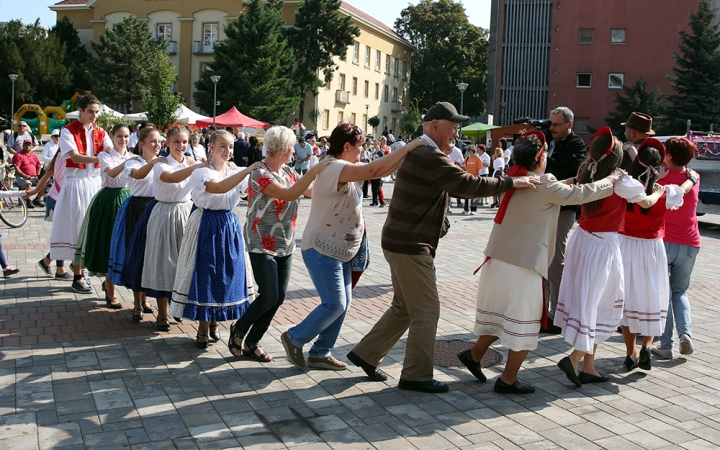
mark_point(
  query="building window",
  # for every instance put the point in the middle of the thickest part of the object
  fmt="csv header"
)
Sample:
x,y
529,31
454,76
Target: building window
x,y
396,67
354,86
210,34
367,56
326,119
377,60
356,52
617,36
365,120
395,97
586,35
163,31
204,67
616,80
386,92
327,86
341,116
384,122
342,82
377,91
393,65
367,88
584,80
352,118
404,70
394,125
387,64
580,125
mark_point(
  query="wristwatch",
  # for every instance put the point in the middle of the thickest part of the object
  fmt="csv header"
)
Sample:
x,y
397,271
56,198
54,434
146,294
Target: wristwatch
x,y
693,178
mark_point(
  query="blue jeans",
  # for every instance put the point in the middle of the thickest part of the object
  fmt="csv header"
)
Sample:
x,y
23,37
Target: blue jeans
x,y
332,279
49,205
681,261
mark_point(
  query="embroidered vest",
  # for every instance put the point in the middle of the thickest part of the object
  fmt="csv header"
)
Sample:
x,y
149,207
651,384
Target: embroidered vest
x,y
77,129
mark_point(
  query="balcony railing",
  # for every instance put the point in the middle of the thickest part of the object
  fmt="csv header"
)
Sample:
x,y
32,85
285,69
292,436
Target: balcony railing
x,y
396,107
172,48
199,48
342,97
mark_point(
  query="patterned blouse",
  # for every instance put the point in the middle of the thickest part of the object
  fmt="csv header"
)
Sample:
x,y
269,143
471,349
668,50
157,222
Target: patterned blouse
x,y
110,160
271,222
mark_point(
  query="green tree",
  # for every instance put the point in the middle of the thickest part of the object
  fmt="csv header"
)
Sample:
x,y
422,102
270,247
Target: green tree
x,y
314,114
120,68
75,56
159,101
449,50
410,122
634,98
254,63
319,34
696,75
374,121
36,57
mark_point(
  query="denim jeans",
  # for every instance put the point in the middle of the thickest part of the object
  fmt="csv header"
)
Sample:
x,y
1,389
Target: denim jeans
x,y
332,279
272,276
49,206
681,260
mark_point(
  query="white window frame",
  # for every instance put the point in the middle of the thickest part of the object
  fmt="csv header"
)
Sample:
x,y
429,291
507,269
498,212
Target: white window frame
x,y
621,76
367,56
166,32
577,80
210,36
612,38
356,52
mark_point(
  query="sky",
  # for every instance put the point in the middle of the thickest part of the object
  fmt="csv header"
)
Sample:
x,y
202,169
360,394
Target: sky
x,y
387,11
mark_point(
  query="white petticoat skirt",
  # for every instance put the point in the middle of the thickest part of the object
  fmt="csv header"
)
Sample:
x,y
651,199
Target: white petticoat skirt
x,y
590,303
509,305
70,209
647,285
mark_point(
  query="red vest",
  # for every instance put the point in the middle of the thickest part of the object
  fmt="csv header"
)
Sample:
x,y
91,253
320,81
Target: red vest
x,y
77,129
610,217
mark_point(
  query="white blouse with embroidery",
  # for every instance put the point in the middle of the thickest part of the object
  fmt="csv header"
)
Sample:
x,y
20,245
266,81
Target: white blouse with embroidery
x,y
110,160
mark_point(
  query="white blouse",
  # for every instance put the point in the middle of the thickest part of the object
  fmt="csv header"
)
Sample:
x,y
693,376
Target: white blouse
x,y
206,200
110,160
142,187
171,192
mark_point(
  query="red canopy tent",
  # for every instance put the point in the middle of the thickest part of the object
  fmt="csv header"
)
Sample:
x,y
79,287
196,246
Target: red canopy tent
x,y
233,118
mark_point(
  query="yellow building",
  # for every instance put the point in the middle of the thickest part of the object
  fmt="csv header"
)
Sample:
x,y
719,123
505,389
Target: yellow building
x,y
373,80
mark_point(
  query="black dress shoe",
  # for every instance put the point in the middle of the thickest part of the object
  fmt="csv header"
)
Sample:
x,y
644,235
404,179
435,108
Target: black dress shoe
x,y
431,386
551,329
631,363
586,378
473,366
566,366
372,372
502,387
644,362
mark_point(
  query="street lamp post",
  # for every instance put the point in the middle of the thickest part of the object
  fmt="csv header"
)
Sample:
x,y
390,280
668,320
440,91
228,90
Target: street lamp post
x,y
367,108
462,86
12,77
215,79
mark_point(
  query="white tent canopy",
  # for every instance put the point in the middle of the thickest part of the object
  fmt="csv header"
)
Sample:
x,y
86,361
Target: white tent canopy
x,y
104,109
183,115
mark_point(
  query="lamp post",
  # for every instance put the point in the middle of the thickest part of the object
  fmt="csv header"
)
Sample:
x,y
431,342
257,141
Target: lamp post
x,y
215,79
367,108
462,86
12,77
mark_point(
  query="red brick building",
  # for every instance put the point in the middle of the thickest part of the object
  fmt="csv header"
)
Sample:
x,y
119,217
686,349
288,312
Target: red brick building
x,y
589,48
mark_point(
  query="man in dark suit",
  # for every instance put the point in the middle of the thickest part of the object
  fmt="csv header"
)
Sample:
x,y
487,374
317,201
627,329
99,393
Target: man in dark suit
x,y
241,151
566,153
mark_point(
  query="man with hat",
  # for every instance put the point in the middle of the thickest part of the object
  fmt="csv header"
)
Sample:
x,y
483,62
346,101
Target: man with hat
x,y
637,128
425,179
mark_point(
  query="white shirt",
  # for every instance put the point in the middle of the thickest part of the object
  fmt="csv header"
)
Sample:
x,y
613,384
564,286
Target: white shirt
x,y
396,145
110,160
485,158
17,143
142,187
67,144
456,156
206,200
49,152
507,154
171,192
197,153
132,142
498,164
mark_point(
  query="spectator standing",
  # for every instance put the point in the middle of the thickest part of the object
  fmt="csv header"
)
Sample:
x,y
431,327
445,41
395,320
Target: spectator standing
x,y
473,165
303,152
16,139
456,156
51,148
27,168
566,153
486,162
498,172
241,151
195,150
255,152
376,183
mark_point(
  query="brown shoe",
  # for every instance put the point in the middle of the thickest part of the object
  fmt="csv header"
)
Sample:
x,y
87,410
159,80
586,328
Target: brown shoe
x,y
10,272
294,354
327,363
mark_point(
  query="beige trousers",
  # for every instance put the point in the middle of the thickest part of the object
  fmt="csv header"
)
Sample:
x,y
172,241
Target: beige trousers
x,y
415,305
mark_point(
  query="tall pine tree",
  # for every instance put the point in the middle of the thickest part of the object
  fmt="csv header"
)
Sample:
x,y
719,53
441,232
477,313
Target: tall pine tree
x,y
120,68
319,34
696,79
75,56
254,63
635,98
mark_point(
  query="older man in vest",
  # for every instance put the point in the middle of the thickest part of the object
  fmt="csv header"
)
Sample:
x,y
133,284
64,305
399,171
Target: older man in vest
x,y
80,143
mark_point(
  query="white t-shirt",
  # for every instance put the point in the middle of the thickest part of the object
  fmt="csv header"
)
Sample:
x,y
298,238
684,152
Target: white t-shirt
x,y
142,187
171,192
456,156
498,165
132,142
197,153
507,154
49,153
17,143
485,158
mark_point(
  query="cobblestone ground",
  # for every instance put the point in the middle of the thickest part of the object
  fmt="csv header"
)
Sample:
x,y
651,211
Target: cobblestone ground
x,y
74,374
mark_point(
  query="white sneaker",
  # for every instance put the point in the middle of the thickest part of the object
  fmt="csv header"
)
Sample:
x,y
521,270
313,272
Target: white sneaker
x,y
663,353
686,345
473,213
449,211
465,213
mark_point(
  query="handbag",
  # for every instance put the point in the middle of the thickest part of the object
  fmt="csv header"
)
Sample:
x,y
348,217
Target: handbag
x,y
361,260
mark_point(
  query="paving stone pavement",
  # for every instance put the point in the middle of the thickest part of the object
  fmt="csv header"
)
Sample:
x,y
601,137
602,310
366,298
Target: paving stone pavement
x,y
74,374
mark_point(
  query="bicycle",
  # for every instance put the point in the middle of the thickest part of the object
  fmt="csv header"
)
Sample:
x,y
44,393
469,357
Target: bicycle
x,y
13,211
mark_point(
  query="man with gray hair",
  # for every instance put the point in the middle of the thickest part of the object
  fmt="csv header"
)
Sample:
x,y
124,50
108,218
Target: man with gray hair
x,y
241,151
566,153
